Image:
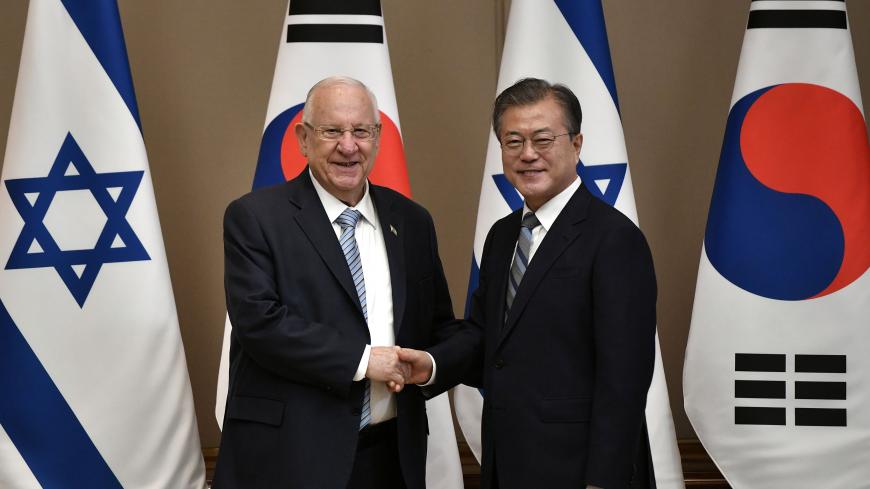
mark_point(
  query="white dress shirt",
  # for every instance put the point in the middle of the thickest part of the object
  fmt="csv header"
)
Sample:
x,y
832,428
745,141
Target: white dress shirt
x,y
379,291
547,215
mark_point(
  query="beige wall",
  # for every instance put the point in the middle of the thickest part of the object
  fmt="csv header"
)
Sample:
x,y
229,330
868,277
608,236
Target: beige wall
x,y
203,70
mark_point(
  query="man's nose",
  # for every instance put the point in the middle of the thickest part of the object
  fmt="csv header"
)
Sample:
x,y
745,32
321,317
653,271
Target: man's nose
x,y
346,143
529,153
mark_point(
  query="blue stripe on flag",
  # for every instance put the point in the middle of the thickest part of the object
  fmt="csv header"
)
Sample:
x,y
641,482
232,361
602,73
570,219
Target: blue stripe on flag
x,y
473,280
39,421
586,19
100,25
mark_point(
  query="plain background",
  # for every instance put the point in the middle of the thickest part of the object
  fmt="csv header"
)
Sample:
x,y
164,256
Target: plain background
x,y
203,70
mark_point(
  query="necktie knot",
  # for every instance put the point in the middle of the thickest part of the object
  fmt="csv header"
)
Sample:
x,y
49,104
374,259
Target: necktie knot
x,y
348,218
530,221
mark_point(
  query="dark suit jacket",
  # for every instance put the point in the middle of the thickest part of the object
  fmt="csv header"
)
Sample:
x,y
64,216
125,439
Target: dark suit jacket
x,y
565,377
298,335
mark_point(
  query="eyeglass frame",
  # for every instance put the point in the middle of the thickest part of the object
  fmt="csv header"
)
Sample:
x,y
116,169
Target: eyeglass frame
x,y
375,129
548,145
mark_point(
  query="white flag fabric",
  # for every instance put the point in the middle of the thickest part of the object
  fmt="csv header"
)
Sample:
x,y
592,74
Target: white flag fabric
x,y
777,375
94,390
565,41
322,39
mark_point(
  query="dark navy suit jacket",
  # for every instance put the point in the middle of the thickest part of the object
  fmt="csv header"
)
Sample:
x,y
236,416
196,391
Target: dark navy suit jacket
x,y
565,375
298,334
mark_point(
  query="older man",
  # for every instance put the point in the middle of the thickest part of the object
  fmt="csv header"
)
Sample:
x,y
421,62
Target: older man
x,y
324,276
565,312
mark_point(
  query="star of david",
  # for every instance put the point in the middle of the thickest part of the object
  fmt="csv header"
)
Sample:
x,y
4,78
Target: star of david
x,y
613,174
37,248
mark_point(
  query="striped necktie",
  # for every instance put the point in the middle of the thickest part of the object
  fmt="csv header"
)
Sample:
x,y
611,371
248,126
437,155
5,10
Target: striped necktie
x,y
348,221
521,259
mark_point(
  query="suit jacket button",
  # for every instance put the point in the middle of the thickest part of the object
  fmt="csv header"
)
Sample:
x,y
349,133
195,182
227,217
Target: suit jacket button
x,y
356,411
499,363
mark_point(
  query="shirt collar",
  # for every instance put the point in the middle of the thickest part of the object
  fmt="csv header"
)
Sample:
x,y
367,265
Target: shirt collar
x,y
551,209
335,207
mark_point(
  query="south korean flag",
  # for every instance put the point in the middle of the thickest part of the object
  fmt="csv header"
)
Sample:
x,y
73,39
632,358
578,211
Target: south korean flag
x,y
777,376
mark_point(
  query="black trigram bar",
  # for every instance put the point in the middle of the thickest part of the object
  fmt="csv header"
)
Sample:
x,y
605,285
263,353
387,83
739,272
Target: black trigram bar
x,y
819,417
828,364
759,362
335,7
820,390
759,415
335,33
825,19
759,389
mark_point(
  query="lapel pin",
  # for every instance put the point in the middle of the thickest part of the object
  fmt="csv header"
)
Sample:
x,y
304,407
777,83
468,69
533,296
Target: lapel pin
x,y
393,230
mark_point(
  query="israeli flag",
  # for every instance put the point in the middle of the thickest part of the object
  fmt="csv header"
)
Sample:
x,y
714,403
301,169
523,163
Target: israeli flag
x,y
776,374
94,390
565,41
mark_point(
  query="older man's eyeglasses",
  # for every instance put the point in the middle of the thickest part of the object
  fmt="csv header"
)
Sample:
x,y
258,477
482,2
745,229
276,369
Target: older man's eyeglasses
x,y
334,133
541,142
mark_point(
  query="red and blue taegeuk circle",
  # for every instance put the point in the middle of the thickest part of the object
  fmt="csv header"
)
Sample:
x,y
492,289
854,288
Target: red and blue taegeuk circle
x,y
790,213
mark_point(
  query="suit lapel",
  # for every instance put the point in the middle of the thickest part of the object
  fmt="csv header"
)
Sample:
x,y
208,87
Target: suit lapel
x,y
503,248
315,224
567,227
392,227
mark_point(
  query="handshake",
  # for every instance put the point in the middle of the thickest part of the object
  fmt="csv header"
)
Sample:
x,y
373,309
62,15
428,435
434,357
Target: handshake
x,y
398,366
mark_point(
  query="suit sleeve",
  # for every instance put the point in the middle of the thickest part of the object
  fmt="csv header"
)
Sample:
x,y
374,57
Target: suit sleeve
x,y
624,318
459,354
275,336
444,324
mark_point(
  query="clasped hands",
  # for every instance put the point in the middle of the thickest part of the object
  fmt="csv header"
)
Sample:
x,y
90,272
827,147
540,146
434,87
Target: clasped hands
x,y
398,366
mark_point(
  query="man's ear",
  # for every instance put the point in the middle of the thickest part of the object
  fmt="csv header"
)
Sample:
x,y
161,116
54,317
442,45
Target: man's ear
x,y
577,142
301,138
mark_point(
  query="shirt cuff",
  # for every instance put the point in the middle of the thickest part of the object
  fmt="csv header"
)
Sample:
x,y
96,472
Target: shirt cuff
x,y
432,378
363,364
